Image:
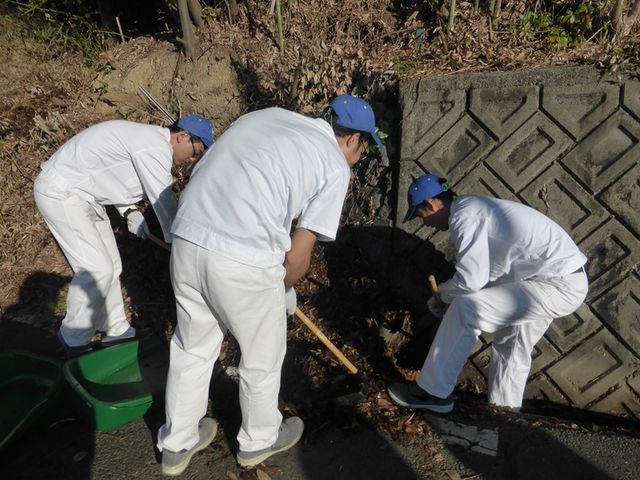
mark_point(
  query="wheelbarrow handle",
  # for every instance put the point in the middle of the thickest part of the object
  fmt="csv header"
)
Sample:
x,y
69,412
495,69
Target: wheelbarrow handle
x,y
434,290
318,333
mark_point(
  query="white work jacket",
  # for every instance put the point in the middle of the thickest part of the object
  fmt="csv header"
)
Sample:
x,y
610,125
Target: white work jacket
x,y
500,241
118,163
269,168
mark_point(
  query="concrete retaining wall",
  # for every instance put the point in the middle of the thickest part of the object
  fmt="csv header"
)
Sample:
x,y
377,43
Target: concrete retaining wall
x,y
567,142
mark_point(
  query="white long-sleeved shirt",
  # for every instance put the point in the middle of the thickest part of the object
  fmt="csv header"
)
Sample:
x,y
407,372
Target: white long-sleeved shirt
x,y
501,241
269,168
118,163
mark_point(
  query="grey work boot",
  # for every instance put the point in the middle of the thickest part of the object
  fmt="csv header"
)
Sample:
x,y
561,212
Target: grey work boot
x,y
174,463
290,433
412,396
109,340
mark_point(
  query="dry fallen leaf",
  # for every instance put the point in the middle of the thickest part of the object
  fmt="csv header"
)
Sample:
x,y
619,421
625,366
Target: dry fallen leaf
x,y
384,403
248,475
411,428
262,475
271,468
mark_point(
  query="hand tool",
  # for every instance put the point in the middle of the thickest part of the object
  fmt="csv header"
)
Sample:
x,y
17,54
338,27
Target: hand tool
x,y
321,336
434,290
310,325
359,394
157,241
357,384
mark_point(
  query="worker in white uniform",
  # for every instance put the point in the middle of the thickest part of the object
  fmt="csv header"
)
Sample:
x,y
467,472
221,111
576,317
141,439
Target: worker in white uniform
x,y
233,257
516,270
115,163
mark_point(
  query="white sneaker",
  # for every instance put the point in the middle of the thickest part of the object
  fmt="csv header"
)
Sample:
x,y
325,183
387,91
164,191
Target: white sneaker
x,y
290,433
174,463
129,334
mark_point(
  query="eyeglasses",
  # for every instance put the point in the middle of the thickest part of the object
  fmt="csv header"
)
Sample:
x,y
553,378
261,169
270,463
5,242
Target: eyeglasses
x,y
196,155
365,150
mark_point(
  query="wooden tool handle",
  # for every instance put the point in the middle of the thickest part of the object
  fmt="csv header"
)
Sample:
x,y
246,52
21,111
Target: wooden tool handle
x,y
318,333
434,290
157,241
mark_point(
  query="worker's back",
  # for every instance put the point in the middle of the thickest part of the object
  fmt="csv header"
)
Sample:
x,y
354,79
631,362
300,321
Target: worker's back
x,y
268,168
108,161
520,242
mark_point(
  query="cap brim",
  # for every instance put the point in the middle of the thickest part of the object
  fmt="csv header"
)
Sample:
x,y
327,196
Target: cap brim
x,y
411,213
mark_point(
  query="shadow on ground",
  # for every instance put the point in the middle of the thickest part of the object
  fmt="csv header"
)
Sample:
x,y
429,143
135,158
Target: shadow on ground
x,y
396,266
61,443
337,444
58,445
361,305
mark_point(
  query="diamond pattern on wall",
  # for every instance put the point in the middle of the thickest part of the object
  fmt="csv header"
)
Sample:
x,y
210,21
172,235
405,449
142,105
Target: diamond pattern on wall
x,y
619,309
528,151
580,108
429,122
613,254
623,200
595,367
556,194
567,332
540,387
458,150
620,401
502,110
608,152
565,141
482,181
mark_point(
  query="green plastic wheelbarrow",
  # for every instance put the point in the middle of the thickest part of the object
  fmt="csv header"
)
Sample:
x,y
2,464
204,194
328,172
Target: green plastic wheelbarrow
x,y
29,386
116,385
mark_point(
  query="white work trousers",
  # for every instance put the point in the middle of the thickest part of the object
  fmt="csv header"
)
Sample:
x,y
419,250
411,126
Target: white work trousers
x,y
215,294
83,231
518,314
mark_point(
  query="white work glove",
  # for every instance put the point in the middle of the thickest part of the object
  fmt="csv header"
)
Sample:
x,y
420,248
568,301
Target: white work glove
x,y
290,300
436,311
137,224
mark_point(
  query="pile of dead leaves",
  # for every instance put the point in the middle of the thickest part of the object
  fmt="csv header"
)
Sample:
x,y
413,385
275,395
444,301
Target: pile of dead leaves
x,y
329,44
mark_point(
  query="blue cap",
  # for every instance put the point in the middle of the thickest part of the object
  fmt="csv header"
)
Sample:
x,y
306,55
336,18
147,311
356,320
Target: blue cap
x,y
421,189
356,114
198,127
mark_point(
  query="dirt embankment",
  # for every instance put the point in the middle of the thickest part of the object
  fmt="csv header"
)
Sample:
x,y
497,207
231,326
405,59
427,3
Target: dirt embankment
x,y
51,94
